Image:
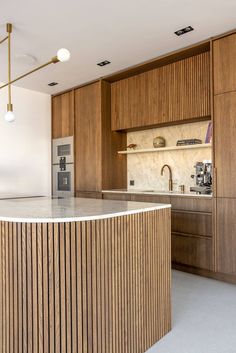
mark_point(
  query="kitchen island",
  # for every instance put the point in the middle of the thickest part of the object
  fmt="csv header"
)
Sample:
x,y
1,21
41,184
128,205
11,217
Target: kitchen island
x,y
83,275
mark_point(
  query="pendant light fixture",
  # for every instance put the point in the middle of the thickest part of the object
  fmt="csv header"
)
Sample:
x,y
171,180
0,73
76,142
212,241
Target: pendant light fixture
x,y
63,55
9,116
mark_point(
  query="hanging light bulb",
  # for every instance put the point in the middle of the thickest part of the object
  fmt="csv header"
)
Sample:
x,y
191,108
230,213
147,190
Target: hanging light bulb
x,y
9,116
63,55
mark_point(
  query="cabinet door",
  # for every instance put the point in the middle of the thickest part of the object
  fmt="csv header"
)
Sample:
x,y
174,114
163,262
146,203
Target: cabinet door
x,y
224,54
129,102
192,251
225,144
173,93
226,236
88,150
63,115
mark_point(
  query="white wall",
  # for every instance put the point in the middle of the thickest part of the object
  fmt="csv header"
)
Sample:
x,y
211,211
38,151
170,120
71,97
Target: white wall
x,y
25,144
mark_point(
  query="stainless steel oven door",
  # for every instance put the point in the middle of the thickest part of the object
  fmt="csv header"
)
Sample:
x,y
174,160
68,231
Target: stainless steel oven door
x,y
63,180
63,147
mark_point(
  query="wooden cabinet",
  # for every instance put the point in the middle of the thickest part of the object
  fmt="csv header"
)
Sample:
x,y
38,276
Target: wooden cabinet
x,y
116,196
97,164
63,115
192,251
169,94
89,194
191,227
226,236
192,235
224,54
225,145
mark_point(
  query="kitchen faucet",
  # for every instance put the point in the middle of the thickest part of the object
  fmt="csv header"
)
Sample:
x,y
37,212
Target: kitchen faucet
x,y
170,176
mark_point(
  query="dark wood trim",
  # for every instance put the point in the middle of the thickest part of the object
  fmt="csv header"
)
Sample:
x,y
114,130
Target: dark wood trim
x,y
205,273
192,212
192,235
180,122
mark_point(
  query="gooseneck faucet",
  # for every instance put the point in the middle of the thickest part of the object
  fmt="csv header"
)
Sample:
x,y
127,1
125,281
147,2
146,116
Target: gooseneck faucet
x,y
170,176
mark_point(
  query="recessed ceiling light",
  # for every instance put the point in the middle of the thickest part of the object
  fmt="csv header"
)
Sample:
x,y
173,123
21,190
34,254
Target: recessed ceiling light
x,y
184,30
103,63
51,84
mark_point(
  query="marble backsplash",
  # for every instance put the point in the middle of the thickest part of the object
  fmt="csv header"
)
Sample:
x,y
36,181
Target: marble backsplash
x,y
145,168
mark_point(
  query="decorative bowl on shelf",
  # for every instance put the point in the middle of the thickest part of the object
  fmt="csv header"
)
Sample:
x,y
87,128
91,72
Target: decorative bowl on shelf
x,y
159,141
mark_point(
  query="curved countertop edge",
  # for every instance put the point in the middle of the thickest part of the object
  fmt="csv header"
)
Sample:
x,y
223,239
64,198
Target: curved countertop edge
x,y
141,207
156,193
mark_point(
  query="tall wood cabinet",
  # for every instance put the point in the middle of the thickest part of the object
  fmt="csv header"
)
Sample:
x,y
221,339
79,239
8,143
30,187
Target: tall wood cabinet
x,y
63,115
97,164
225,144
224,64
224,54
173,93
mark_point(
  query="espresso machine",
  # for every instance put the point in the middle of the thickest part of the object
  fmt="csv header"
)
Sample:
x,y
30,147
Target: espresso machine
x,y
203,178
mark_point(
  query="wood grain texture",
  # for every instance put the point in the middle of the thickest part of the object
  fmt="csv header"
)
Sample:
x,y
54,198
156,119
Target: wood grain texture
x,y
192,251
63,115
193,239
226,240
224,64
96,145
177,92
192,223
224,136
96,286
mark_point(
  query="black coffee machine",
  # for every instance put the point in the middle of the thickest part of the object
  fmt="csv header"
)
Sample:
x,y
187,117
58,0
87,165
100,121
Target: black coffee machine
x,y
203,178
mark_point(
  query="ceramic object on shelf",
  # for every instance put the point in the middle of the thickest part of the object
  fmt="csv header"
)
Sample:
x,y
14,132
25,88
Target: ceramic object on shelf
x,y
132,146
159,141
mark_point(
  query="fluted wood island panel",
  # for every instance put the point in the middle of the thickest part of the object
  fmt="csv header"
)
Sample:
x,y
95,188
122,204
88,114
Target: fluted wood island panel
x,y
98,286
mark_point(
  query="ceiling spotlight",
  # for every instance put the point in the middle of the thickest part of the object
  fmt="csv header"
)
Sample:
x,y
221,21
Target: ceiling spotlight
x,y
103,63
51,84
184,30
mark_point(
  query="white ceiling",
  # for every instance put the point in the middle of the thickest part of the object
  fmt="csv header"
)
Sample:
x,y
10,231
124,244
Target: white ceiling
x,y
126,32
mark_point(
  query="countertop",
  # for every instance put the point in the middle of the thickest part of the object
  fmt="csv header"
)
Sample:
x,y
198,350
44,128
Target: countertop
x,y
48,210
156,192
8,195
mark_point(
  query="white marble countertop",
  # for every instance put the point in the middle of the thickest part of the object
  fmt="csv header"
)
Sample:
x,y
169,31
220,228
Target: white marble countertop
x,y
156,192
47,210
8,195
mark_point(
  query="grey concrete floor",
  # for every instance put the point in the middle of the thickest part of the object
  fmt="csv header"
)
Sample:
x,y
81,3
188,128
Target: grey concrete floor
x,y
203,319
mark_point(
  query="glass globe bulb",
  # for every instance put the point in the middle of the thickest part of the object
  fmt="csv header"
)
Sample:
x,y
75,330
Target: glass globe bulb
x,y
63,55
9,116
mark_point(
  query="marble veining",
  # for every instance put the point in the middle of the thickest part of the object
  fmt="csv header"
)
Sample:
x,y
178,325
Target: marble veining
x,y
48,210
145,168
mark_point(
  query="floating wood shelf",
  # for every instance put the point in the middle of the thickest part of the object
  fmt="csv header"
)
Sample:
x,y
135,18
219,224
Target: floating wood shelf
x,y
163,149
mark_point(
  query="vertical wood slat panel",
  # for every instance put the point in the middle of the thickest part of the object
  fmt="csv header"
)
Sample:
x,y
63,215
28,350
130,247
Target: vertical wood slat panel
x,y
40,287
35,288
172,93
1,290
100,286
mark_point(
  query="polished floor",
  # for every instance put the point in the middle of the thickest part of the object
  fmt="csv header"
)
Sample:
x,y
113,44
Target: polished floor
x,y
204,317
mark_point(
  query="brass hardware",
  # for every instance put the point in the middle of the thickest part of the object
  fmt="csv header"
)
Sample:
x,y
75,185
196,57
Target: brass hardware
x,y
9,30
10,107
3,40
54,60
9,27
30,72
170,176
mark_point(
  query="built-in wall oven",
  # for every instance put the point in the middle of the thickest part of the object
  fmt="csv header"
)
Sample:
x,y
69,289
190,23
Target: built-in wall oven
x,y
63,167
